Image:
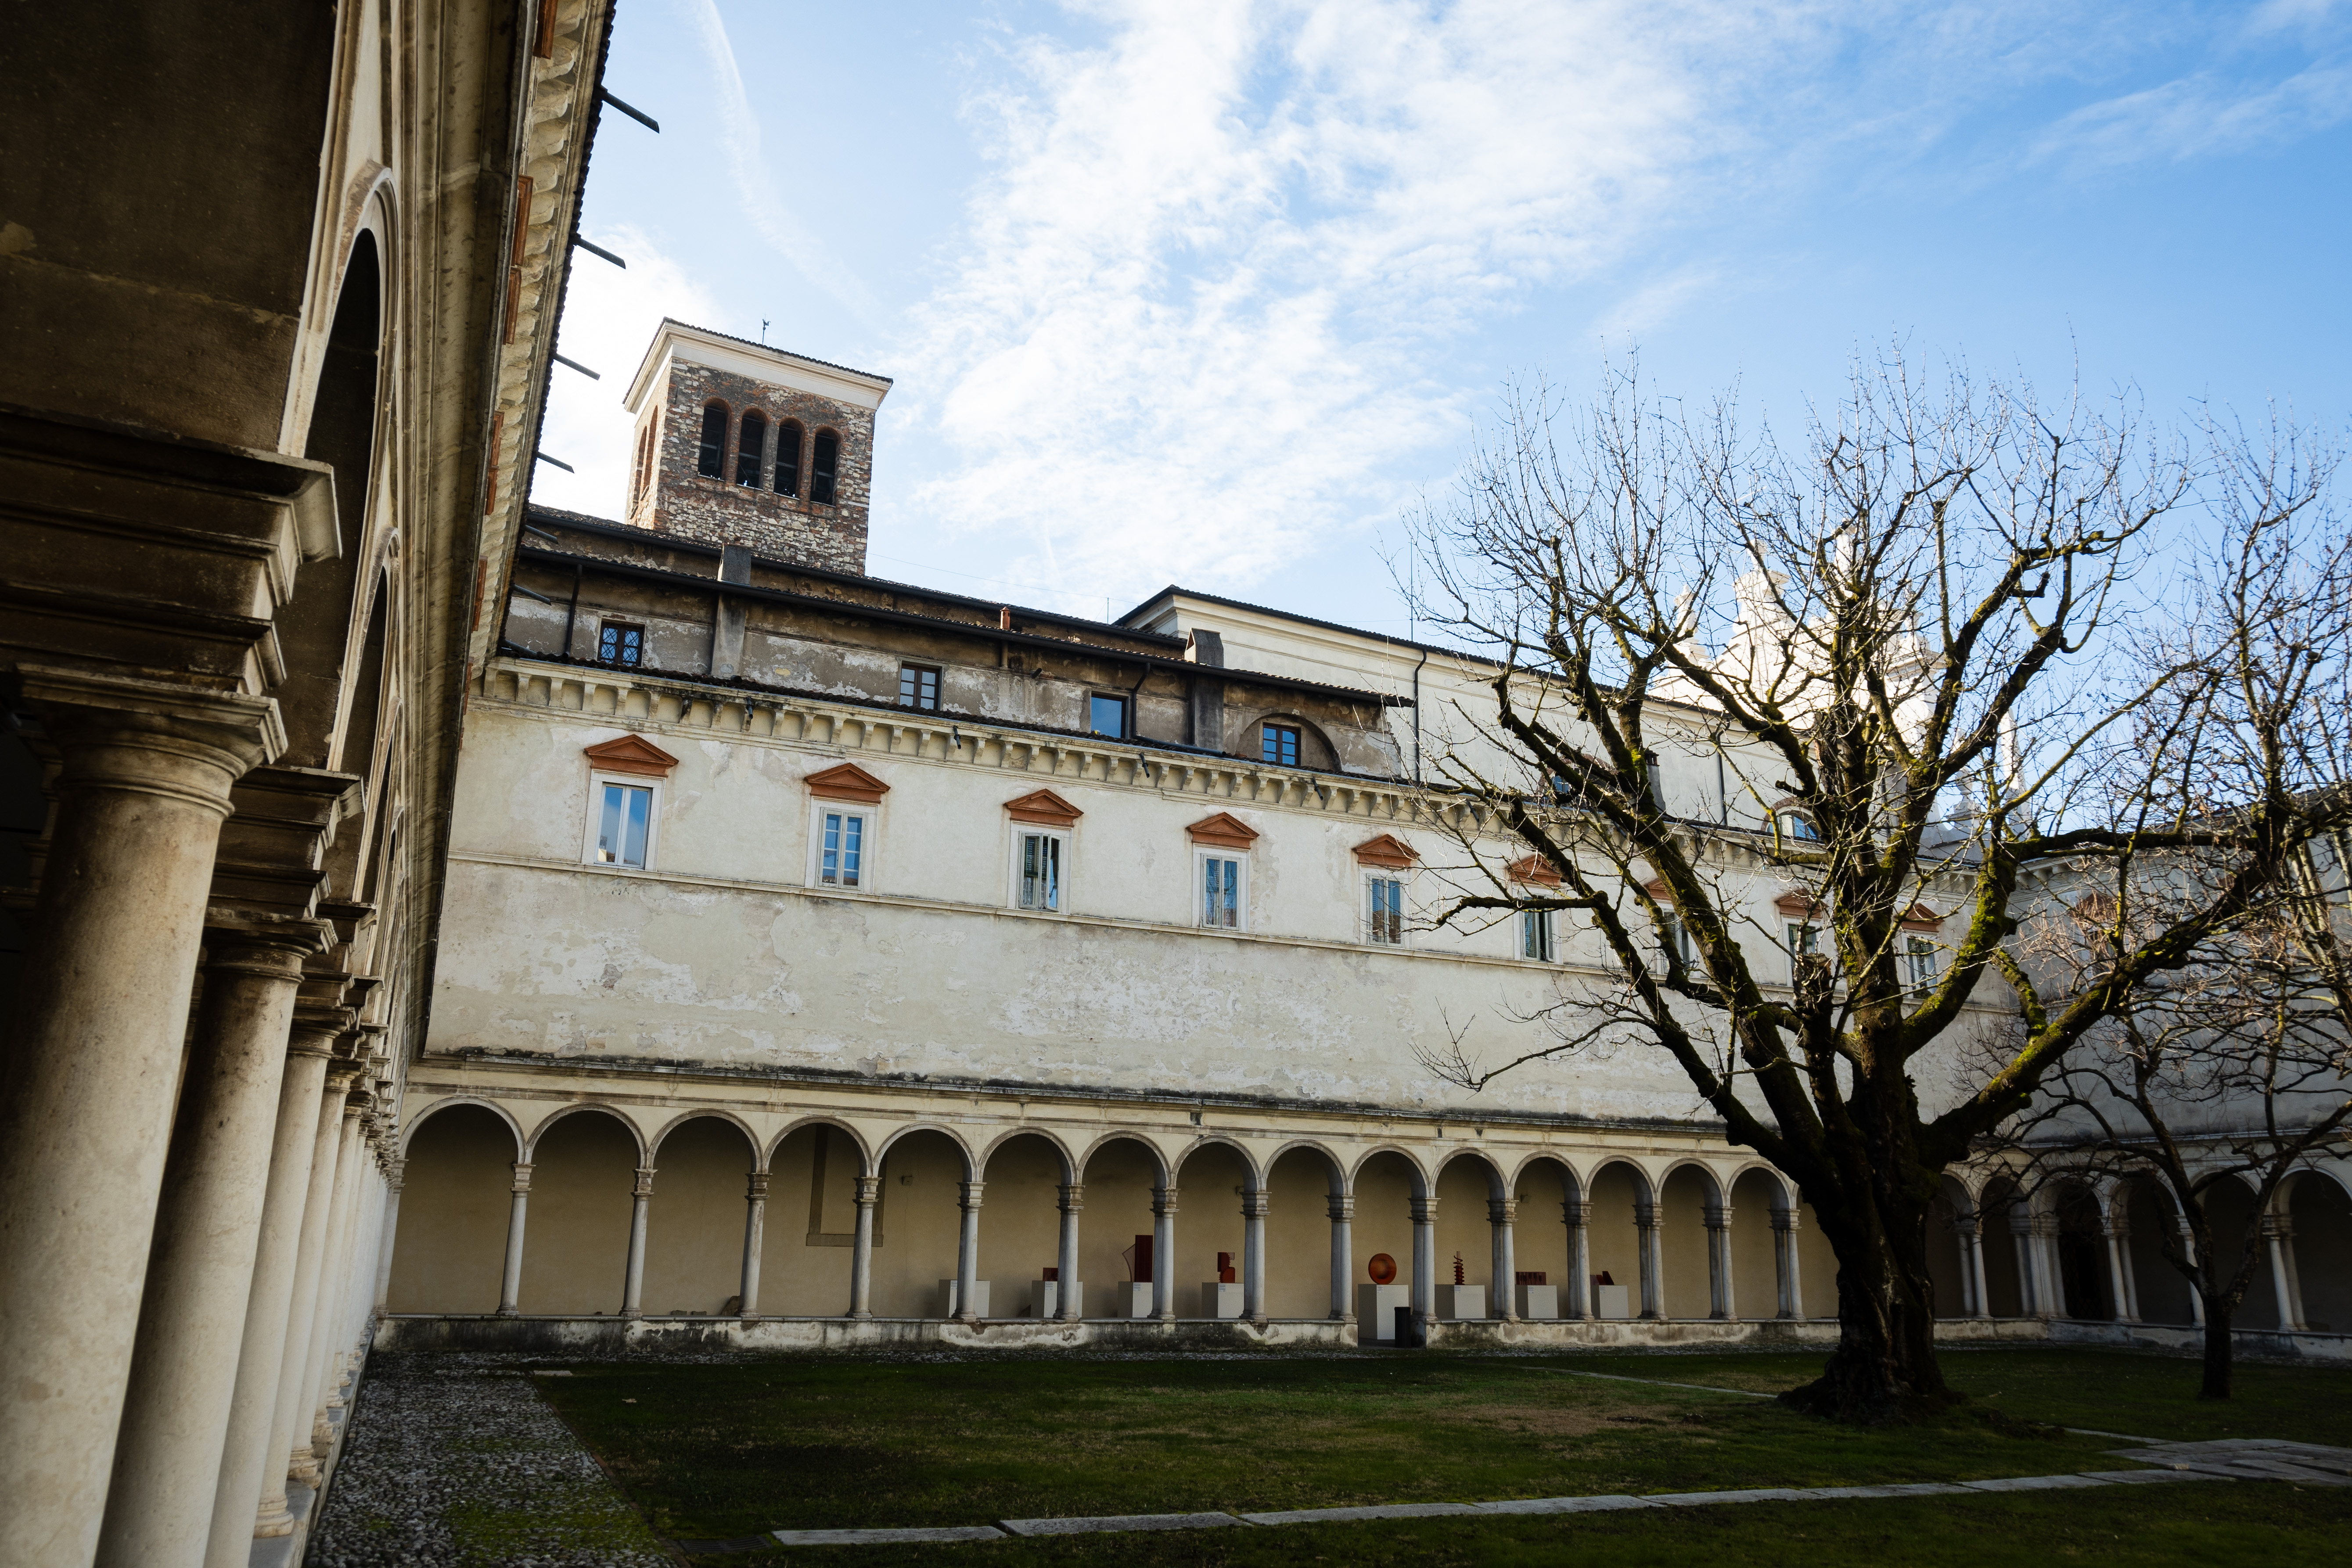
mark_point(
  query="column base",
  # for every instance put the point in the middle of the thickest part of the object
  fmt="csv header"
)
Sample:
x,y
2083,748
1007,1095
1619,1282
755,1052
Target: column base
x,y
274,1520
302,1465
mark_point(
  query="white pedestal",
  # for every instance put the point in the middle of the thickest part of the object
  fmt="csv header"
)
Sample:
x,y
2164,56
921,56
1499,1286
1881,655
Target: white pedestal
x,y
1220,1301
1045,1298
1132,1300
948,1299
1538,1301
1613,1300
1460,1303
1376,1308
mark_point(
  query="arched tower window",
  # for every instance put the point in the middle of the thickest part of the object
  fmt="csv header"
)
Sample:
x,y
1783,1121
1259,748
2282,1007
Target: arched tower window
x,y
788,458
711,462
750,447
825,454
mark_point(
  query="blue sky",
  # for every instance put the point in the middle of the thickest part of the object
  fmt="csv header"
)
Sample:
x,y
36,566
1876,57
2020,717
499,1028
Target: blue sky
x,y
1214,293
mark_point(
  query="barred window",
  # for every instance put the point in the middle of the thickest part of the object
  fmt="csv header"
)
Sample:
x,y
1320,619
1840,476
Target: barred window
x,y
711,459
620,644
751,446
788,458
822,462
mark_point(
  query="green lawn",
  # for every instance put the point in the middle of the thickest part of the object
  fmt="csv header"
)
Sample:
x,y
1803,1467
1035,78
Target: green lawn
x,y
734,1449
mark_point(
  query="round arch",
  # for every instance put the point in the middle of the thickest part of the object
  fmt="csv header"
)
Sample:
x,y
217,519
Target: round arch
x,y
1161,1168
586,1107
988,1151
1418,1176
867,1163
449,1237
714,1113
514,1128
972,1167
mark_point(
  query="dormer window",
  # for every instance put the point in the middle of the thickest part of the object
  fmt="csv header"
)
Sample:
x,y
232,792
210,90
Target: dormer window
x,y
822,460
788,458
750,446
621,642
1278,744
711,459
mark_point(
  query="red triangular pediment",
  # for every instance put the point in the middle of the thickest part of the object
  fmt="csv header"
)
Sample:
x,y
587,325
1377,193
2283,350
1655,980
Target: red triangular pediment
x,y
1044,808
1386,850
1223,831
1919,917
1536,870
1799,904
848,781
630,754
1658,890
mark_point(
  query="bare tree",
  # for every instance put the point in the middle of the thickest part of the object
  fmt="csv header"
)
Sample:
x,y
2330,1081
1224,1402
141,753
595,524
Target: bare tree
x,y
1928,677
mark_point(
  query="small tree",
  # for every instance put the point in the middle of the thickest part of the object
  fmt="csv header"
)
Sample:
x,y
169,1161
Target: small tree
x,y
1920,686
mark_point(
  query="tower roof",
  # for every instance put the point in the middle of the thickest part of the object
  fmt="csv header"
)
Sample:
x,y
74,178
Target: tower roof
x,y
739,356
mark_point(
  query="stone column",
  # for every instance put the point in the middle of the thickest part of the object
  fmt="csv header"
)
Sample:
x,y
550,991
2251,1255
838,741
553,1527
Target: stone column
x,y
1721,1302
1070,1198
92,1064
1424,1260
2029,1265
2119,1284
1253,1205
290,1431
861,1248
200,1270
1579,1217
633,1271
2278,1232
1786,1274
1500,1213
388,1231
334,1270
248,1467
755,1219
1343,1262
1163,1254
517,1213
2189,1251
1969,1228
967,1252
1647,1223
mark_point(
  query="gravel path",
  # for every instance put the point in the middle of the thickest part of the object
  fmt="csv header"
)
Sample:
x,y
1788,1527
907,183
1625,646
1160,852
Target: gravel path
x,y
455,1462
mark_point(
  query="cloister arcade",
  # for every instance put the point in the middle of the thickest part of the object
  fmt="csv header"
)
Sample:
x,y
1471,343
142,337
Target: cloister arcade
x,y
603,1210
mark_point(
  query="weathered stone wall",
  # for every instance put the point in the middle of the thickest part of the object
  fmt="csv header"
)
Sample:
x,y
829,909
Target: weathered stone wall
x,y
720,511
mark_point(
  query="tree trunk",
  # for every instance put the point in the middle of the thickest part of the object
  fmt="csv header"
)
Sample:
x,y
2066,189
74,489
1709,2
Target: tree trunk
x,y
2217,1351
1885,1367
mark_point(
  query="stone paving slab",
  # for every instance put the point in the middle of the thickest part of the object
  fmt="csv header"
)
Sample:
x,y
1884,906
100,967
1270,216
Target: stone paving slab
x,y
2142,1477
2032,1483
1120,1521
1605,1502
1889,1489
1347,1515
1745,1494
874,1537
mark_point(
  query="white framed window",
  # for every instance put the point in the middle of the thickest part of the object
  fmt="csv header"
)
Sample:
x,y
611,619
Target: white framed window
x,y
1040,868
1674,938
1384,908
1535,936
1919,961
623,821
1221,880
1796,827
840,845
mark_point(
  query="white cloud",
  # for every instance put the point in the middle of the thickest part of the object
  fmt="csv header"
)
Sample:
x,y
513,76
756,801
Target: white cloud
x,y
755,184
2201,116
609,317
1182,331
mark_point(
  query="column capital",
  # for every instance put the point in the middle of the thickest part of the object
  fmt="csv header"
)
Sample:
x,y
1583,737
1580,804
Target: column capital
x,y
1502,1211
756,1189
119,731
967,1194
870,1191
1343,1206
1577,1213
268,947
1784,1219
1253,1203
1164,1200
1424,1210
1071,1196
1645,1214
521,1177
393,1170
645,1187
2276,1228
1719,1217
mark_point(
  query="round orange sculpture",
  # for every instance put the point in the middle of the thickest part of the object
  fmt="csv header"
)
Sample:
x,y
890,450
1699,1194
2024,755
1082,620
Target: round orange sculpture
x,y
1381,1268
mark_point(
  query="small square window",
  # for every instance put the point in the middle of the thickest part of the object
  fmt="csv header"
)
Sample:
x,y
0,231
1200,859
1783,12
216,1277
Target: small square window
x,y
1535,935
841,848
1385,924
1107,716
1038,871
1224,892
919,686
620,643
1278,744
624,824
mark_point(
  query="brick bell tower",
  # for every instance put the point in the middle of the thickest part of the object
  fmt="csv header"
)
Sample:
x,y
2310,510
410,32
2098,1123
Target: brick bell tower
x,y
737,443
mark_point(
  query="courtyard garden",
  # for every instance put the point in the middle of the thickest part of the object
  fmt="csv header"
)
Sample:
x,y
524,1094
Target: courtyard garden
x,y
717,1453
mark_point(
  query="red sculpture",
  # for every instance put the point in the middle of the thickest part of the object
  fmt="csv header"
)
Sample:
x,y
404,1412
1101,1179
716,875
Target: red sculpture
x,y
1381,1268
1458,1278
1225,1269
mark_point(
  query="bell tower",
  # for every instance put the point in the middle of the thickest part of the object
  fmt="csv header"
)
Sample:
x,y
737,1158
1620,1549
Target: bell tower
x,y
737,443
